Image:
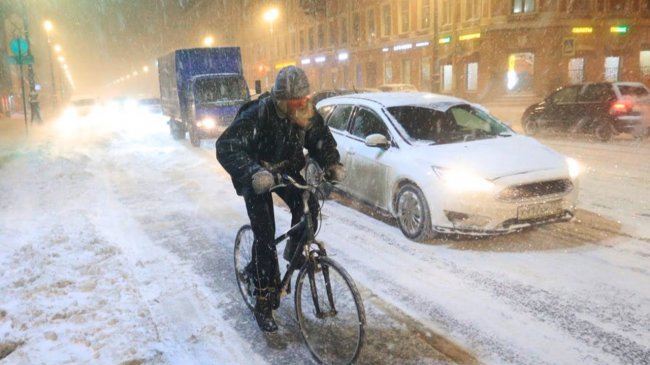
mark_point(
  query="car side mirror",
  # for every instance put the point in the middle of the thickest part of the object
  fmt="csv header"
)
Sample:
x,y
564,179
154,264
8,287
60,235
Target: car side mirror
x,y
377,140
258,87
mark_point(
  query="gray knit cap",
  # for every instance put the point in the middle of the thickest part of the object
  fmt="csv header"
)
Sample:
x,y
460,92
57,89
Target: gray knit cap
x,y
291,83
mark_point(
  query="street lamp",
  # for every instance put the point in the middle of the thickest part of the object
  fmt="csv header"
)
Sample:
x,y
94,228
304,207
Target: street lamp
x,y
57,48
48,28
208,41
270,16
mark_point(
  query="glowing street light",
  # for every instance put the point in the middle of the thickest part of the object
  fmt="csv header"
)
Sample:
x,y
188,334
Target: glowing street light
x,y
145,69
48,28
270,16
208,41
61,59
57,48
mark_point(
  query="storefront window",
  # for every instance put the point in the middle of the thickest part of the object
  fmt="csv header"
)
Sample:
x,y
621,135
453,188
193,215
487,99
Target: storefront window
x,y
521,69
644,62
576,70
446,74
612,65
472,76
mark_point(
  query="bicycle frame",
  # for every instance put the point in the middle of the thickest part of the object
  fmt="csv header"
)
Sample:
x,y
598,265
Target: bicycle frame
x,y
307,225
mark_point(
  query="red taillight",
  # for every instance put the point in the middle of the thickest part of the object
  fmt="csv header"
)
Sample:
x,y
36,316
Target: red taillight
x,y
621,106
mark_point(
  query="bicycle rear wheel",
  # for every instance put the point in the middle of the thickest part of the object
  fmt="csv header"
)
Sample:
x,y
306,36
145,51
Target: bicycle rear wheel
x,y
330,312
244,255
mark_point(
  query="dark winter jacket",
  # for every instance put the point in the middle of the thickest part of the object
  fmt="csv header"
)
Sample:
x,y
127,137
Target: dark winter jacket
x,y
259,134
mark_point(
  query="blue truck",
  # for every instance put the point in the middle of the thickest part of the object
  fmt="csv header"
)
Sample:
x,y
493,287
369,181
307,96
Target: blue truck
x,y
201,90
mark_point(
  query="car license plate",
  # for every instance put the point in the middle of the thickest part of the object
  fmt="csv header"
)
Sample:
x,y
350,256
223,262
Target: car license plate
x,y
539,210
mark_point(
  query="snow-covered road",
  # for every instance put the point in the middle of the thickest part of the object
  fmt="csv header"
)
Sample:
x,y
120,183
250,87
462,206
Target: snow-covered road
x,y
116,248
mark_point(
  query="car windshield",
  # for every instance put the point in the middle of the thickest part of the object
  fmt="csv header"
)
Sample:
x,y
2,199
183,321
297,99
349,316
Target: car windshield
x,y
633,90
456,124
220,89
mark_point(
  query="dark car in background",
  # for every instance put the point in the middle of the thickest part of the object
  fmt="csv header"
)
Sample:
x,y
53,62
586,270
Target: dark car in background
x,y
602,109
151,105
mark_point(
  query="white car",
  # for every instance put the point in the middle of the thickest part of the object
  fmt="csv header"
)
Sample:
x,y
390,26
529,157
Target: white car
x,y
82,107
440,164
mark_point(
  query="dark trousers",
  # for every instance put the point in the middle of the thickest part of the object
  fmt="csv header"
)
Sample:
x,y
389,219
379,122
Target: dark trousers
x,y
265,267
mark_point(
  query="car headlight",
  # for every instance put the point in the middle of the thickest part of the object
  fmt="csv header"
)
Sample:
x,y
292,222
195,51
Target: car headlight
x,y
463,180
575,168
207,123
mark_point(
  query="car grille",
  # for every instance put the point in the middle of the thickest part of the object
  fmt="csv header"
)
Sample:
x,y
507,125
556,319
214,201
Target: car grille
x,y
537,189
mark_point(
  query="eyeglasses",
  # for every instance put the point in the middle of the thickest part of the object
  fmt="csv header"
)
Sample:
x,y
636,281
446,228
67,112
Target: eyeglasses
x,y
298,103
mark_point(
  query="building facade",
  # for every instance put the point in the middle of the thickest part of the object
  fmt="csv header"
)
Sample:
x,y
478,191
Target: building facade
x,y
482,50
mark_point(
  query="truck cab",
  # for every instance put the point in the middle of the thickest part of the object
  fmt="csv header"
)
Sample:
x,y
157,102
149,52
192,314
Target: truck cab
x,y
214,100
201,90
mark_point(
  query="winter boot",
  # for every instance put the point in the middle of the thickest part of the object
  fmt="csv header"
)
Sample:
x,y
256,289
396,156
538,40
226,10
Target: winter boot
x,y
264,314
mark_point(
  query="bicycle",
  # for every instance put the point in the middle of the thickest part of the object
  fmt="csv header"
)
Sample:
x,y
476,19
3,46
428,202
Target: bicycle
x,y
329,310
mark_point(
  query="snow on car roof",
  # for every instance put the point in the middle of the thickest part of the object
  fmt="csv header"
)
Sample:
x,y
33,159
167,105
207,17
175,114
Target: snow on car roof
x,y
390,99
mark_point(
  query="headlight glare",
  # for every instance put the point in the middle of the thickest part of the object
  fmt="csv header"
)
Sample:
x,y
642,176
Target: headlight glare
x,y
462,180
575,168
207,123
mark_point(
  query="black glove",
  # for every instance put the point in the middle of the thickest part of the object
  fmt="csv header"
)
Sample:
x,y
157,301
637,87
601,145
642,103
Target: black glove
x,y
262,181
335,173
275,168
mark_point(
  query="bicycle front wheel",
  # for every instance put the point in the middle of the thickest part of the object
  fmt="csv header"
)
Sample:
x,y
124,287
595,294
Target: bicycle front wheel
x,y
330,312
244,255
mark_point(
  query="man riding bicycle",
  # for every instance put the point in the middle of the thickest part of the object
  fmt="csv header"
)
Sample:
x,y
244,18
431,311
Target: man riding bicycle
x,y
265,140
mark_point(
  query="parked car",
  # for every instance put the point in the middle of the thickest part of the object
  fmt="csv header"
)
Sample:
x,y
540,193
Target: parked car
x,y
398,87
442,165
603,109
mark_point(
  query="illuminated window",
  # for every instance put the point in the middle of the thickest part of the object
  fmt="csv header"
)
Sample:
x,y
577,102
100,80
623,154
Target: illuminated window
x,y
333,34
521,71
446,75
445,12
406,71
321,36
356,27
425,14
577,70
386,20
471,76
523,6
612,65
471,9
372,30
404,15
644,62
425,73
388,72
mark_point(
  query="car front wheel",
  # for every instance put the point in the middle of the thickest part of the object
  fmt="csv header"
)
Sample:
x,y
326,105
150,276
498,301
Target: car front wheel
x,y
413,213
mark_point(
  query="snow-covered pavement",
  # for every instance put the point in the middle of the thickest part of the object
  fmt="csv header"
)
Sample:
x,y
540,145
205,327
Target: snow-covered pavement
x,y
116,248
